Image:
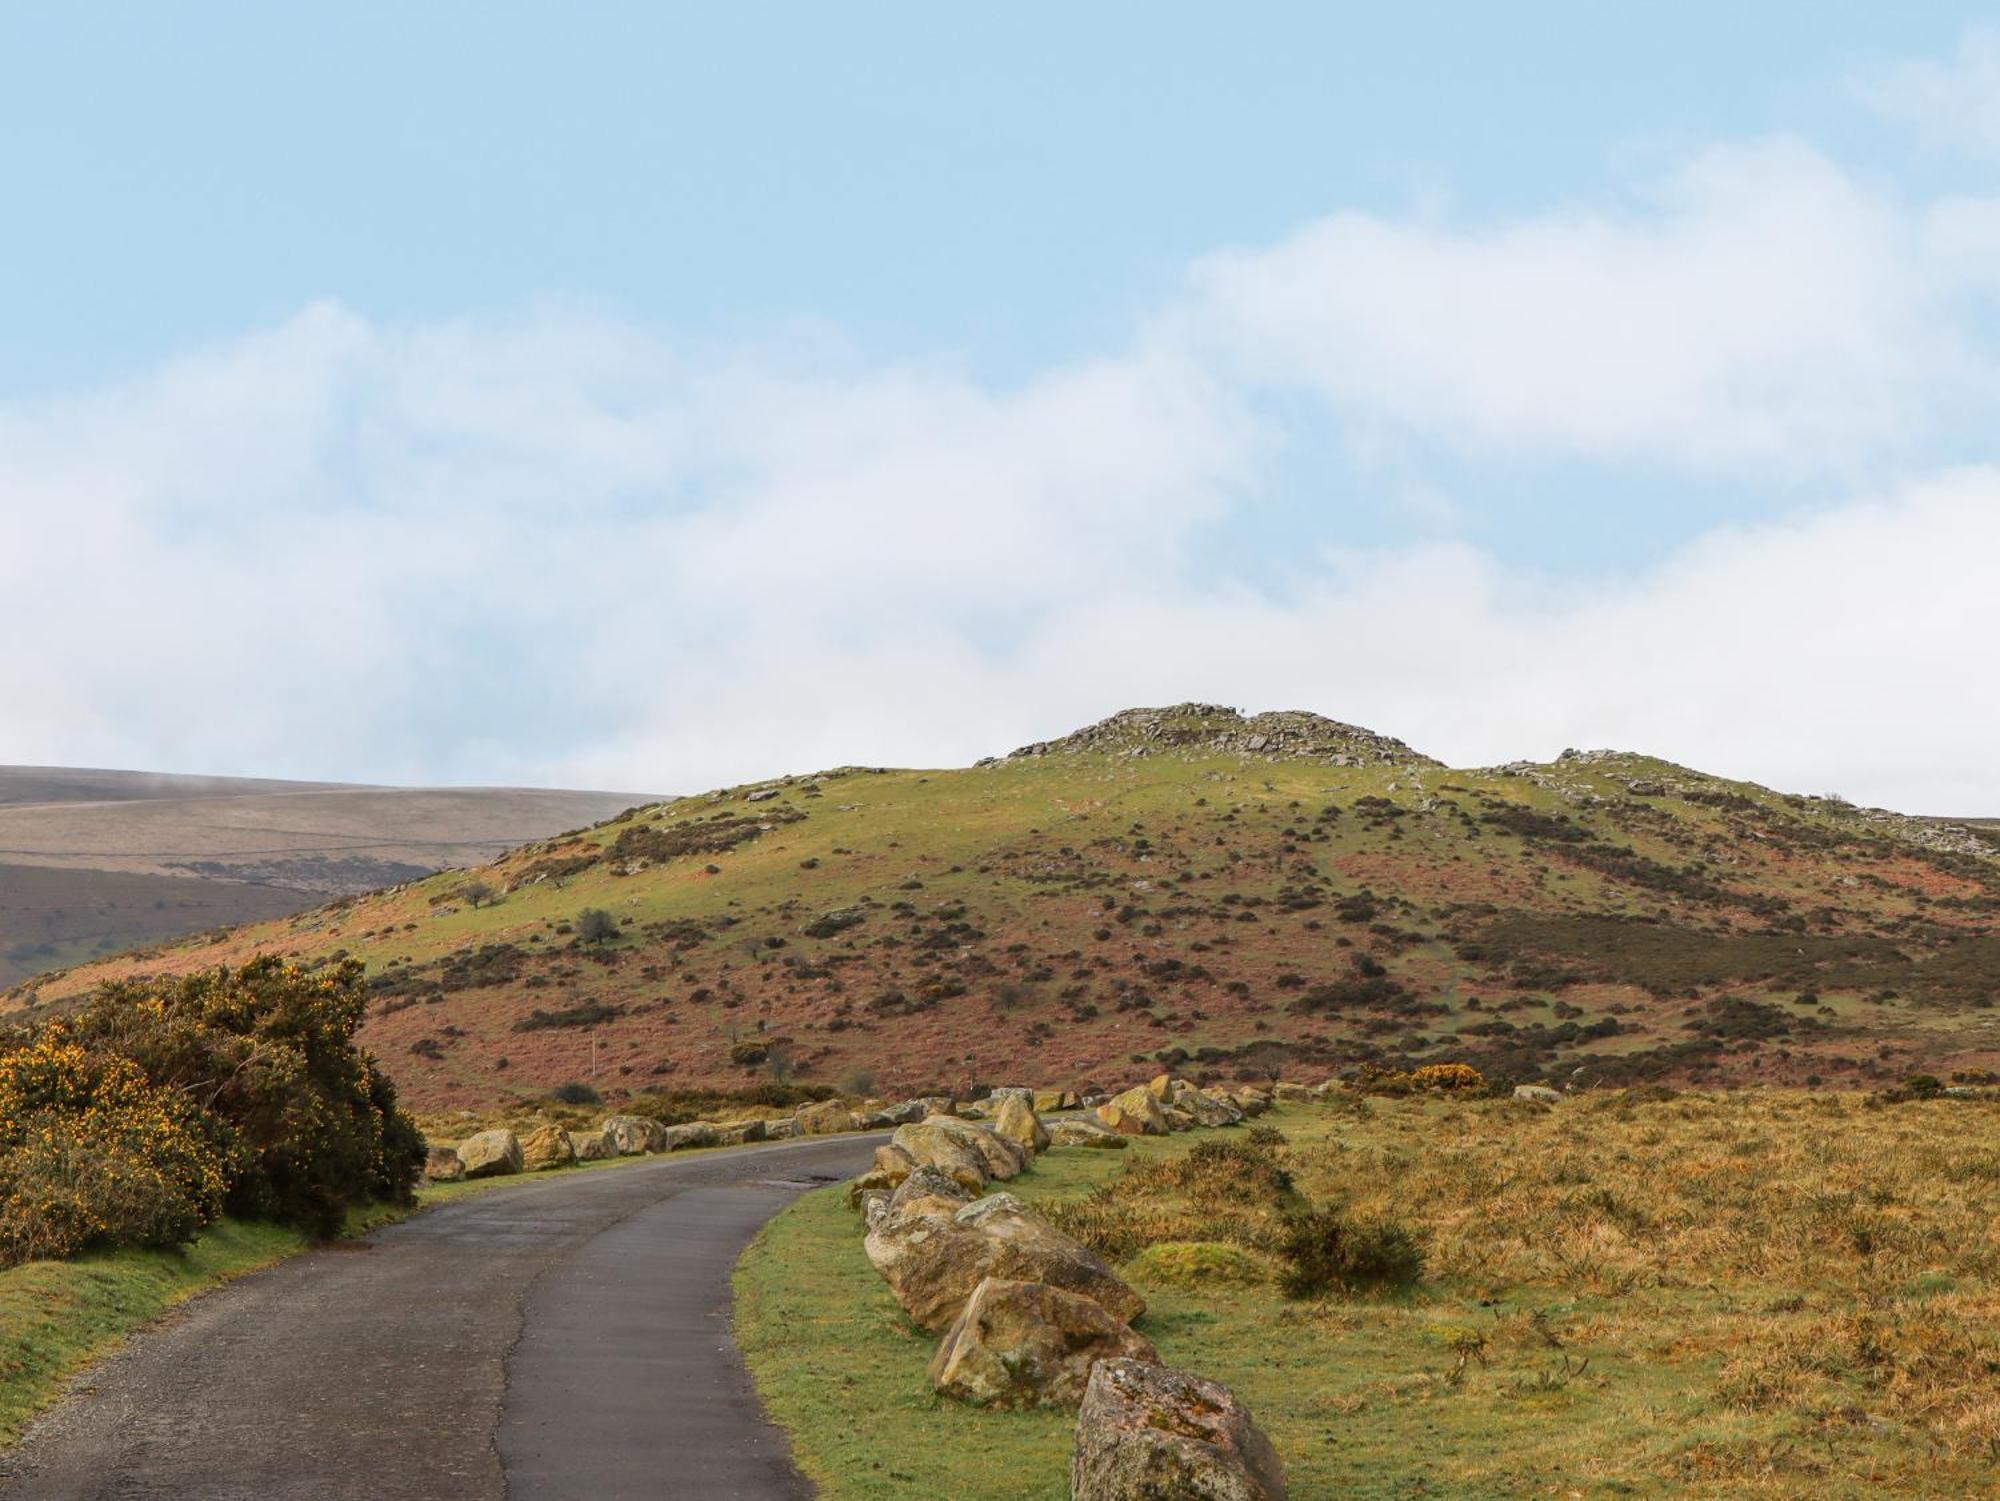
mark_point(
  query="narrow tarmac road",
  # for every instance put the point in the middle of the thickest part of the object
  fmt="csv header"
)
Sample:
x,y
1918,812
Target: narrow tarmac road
x,y
560,1340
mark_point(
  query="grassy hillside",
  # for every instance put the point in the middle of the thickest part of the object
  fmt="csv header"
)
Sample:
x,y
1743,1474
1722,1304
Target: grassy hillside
x,y
1242,897
92,862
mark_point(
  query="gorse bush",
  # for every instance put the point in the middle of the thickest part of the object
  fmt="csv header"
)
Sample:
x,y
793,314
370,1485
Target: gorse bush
x,y
1327,1252
167,1101
92,1151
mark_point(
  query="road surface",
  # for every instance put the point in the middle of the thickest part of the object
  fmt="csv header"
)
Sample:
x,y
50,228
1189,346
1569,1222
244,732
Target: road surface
x,y
566,1339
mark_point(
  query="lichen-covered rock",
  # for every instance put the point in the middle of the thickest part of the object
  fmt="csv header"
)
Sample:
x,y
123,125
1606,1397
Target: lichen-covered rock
x,y
1026,1344
1017,1121
631,1134
932,1190
1149,1432
946,1142
928,1145
1252,1102
738,1133
1161,1087
1054,1099
1137,1112
826,1119
592,1146
1081,1131
490,1154
874,1207
443,1165
546,1147
688,1134
1205,1108
1288,1093
1540,1094
932,1260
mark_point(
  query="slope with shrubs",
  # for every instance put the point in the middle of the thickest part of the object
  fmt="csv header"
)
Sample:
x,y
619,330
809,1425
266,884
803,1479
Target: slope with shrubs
x,y
1236,897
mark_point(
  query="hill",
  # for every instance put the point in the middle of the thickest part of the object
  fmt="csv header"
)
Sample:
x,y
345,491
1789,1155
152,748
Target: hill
x,y
92,862
1237,896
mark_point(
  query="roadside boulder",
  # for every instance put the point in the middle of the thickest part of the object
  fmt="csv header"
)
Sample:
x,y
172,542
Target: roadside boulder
x,y
442,1165
688,1134
1000,1156
1147,1432
490,1154
631,1134
1137,1112
546,1147
826,1119
1081,1131
932,1260
1252,1102
592,1146
874,1207
1018,1122
927,1190
1026,1344
1054,1099
927,1145
739,1133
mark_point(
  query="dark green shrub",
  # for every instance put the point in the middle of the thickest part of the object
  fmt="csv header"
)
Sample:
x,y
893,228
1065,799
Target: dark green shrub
x,y
575,1092
303,1121
1326,1252
595,925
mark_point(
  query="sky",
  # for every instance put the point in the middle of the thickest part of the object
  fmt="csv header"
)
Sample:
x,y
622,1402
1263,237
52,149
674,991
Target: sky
x,y
663,397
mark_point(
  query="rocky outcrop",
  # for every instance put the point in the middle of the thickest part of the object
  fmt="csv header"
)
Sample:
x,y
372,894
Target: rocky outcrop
x,y
1026,1344
1147,1432
932,1259
1017,1121
547,1147
490,1154
443,1165
1214,729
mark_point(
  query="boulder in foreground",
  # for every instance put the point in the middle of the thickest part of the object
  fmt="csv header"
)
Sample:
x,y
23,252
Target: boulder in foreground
x,y
1081,1131
1026,1344
1016,1120
442,1165
1149,1432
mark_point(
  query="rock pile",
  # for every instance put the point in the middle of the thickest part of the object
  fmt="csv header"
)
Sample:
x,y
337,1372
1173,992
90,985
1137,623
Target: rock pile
x,y
1212,729
1032,1318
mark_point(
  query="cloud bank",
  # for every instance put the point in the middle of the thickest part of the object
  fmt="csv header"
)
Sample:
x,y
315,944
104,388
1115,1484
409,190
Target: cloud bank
x,y
557,548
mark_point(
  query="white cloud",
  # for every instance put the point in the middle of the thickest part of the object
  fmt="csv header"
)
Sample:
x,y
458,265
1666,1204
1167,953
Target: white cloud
x,y
557,548
1952,103
1758,312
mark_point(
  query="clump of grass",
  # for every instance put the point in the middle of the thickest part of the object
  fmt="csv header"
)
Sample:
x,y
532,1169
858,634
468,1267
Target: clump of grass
x,y
1198,1264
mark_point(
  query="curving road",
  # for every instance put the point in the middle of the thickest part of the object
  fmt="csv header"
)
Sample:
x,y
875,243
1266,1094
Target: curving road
x,y
563,1339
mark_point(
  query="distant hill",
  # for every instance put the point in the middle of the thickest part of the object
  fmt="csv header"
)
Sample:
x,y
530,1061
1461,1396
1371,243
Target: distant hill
x,y
92,862
1234,896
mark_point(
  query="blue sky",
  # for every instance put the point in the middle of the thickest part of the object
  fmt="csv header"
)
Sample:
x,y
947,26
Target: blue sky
x,y
446,338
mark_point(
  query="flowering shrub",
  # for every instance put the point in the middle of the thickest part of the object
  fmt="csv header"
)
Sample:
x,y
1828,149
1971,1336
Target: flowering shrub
x,y
1448,1076
92,1151
304,1121
166,1102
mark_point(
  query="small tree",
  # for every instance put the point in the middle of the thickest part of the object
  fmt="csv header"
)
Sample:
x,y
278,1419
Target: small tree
x,y
478,893
595,925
